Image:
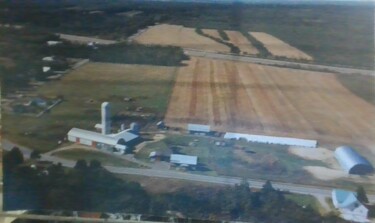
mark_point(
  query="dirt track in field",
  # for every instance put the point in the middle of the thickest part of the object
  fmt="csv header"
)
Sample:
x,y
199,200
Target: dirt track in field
x,y
239,40
257,99
279,48
174,35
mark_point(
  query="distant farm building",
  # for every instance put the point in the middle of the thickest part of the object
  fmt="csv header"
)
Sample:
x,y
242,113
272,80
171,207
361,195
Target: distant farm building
x,y
352,162
46,69
105,140
199,129
53,43
272,139
48,59
183,160
351,209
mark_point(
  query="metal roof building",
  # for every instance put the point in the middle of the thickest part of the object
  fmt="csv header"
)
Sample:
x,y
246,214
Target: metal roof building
x,y
352,162
183,160
91,136
199,128
272,139
119,141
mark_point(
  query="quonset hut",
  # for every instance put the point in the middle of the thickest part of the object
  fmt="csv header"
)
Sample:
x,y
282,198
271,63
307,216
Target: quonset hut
x,y
352,162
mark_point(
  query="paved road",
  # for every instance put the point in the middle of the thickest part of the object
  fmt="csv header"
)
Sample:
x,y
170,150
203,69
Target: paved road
x,y
294,188
67,219
221,56
224,180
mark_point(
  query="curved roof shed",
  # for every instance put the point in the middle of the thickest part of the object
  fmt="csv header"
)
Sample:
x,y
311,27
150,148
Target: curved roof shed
x,y
352,162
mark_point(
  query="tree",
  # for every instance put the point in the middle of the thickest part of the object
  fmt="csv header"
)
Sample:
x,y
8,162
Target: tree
x,y
95,164
12,159
81,165
267,187
361,195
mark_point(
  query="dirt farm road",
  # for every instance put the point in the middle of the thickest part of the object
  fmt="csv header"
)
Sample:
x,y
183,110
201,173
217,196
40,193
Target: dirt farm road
x,y
315,67
224,180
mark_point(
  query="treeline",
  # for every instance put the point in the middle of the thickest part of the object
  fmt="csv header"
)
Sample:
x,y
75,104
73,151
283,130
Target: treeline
x,y
263,51
233,49
89,187
140,54
95,21
122,53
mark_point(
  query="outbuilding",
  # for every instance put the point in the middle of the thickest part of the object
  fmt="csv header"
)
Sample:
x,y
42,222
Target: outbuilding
x,y
199,129
183,160
94,139
352,162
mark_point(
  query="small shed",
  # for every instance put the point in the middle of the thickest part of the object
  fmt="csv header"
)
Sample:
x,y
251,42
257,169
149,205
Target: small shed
x,y
352,162
199,129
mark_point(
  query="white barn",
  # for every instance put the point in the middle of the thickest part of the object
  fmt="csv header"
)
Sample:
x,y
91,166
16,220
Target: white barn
x,y
183,160
272,139
120,141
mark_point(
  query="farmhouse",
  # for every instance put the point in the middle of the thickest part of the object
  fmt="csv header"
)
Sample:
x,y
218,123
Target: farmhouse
x,y
183,160
351,209
352,162
199,129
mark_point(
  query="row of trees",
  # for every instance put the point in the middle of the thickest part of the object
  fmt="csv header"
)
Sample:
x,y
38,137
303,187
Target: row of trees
x,y
232,47
90,187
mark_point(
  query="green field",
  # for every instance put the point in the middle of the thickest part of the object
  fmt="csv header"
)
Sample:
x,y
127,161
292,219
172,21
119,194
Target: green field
x,y
104,159
83,91
305,200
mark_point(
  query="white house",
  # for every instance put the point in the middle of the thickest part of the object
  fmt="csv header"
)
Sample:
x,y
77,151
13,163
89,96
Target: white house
x,y
349,206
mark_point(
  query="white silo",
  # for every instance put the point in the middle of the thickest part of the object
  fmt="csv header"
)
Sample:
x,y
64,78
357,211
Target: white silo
x,y
106,118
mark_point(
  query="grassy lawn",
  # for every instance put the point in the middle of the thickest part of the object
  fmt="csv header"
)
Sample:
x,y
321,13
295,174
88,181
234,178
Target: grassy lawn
x,y
104,159
304,200
254,160
84,90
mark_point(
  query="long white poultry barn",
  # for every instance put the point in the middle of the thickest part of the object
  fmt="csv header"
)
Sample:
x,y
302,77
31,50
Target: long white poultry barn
x,y
272,139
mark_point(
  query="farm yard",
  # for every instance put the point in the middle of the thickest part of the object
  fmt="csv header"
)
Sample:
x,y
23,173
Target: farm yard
x,y
127,87
233,158
257,99
178,36
279,48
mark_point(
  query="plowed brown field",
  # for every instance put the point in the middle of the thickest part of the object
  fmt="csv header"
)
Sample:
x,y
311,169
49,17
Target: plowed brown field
x,y
239,40
174,35
257,99
279,48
